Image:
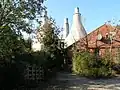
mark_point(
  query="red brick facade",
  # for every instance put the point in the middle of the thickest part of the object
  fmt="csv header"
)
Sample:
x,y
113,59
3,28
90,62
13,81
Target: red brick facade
x,y
91,42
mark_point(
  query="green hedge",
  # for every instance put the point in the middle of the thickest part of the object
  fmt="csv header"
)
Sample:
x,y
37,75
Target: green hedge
x,y
37,58
86,64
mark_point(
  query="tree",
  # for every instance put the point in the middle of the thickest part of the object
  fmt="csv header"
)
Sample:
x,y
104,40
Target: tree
x,y
19,14
11,44
49,38
16,16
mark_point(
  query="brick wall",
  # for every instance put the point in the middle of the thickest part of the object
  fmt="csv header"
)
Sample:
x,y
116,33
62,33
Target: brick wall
x,y
90,42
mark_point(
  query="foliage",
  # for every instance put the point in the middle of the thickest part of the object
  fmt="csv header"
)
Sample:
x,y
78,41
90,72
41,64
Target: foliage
x,y
116,64
118,56
108,59
8,42
11,44
50,38
10,76
51,43
19,14
86,64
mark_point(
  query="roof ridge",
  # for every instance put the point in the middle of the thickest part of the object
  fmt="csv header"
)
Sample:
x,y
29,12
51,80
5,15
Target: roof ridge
x,y
96,29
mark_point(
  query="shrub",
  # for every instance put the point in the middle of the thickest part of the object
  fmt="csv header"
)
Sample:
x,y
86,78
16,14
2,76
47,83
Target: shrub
x,y
80,62
86,64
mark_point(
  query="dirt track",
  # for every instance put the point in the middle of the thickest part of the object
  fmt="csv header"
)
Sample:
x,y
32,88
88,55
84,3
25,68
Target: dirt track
x,y
68,81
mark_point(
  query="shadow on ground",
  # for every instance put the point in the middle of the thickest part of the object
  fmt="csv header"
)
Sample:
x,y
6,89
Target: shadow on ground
x,y
68,81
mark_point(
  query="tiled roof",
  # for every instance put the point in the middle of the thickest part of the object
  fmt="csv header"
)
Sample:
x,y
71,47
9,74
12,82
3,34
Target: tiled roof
x,y
91,38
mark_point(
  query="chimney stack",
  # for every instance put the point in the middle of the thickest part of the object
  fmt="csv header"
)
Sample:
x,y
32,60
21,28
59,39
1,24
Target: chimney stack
x,y
65,28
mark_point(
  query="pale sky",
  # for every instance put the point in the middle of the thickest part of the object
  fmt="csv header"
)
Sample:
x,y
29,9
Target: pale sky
x,y
94,12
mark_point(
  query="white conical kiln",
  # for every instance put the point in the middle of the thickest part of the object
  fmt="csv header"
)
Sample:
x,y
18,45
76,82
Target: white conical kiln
x,y
65,28
77,29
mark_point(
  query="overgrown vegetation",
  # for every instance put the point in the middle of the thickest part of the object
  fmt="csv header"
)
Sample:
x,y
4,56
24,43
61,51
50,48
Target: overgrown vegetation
x,y
20,14
86,64
16,17
51,43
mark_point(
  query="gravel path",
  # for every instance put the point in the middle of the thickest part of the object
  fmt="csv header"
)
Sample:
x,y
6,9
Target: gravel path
x,y
68,81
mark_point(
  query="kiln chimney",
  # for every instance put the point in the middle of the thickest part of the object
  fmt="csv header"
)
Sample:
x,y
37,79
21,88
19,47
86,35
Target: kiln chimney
x,y
65,28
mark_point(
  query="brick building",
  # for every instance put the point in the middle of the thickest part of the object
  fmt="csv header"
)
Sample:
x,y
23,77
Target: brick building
x,y
106,37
